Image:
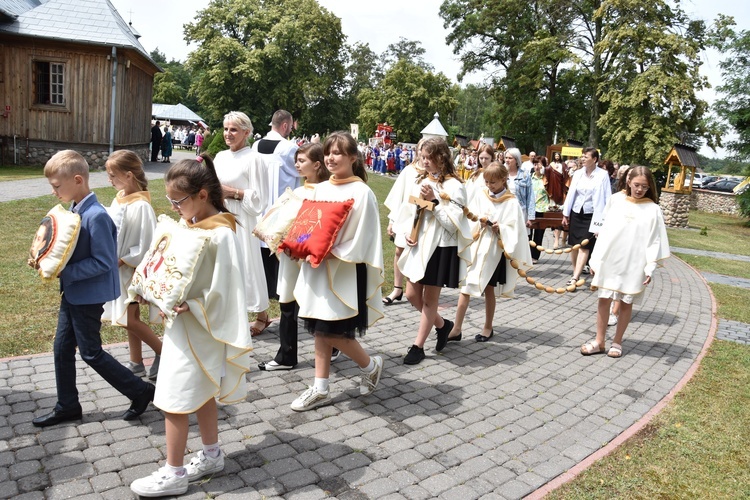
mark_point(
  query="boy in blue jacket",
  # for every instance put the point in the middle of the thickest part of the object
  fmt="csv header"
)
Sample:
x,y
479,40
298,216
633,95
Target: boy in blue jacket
x,y
88,281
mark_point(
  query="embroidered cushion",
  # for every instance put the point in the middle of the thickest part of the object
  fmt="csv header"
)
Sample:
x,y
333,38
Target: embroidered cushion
x,y
54,242
165,273
278,220
314,231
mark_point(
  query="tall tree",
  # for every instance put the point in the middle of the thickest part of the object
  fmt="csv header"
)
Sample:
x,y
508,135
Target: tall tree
x,y
261,55
525,55
407,50
407,99
734,105
651,83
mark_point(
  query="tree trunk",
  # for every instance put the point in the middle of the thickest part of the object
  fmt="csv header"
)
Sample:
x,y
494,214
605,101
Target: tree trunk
x,y
596,77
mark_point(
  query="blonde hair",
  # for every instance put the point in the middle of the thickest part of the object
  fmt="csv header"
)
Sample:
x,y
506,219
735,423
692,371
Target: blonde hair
x,y
124,161
67,163
240,119
496,171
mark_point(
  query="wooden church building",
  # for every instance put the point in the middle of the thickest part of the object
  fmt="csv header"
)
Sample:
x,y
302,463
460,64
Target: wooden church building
x,y
72,76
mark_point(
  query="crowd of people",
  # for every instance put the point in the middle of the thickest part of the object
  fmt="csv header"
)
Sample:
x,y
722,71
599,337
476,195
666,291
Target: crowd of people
x,y
164,139
456,223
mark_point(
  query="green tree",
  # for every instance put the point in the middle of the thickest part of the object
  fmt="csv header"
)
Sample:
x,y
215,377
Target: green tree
x,y
407,99
262,55
407,50
734,105
651,80
526,55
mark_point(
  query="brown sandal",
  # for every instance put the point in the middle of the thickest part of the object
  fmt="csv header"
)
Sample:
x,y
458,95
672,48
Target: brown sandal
x,y
254,332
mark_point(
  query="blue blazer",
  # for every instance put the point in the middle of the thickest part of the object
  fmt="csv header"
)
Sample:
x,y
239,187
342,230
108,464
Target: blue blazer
x,y
91,277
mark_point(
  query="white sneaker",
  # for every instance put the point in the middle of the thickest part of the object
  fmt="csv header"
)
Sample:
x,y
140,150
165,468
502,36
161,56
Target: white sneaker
x,y
612,320
335,353
201,465
137,368
310,399
159,484
370,380
586,269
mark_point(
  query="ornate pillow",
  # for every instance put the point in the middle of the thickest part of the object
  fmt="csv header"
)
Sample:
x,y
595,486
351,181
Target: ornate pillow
x,y
278,220
54,242
163,276
314,231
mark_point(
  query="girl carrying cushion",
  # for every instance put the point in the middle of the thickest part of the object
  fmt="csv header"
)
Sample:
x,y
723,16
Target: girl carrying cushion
x,y
206,348
439,255
135,221
342,296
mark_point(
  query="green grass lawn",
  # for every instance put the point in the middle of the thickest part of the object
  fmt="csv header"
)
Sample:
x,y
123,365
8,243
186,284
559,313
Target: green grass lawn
x,y
735,268
726,234
15,173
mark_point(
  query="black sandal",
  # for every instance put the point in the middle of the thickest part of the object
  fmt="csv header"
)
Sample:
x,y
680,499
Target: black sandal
x,y
387,300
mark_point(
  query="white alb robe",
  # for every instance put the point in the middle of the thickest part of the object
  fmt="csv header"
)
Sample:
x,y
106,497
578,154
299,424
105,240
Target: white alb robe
x,y
632,242
244,170
135,221
486,252
399,196
329,292
444,226
206,351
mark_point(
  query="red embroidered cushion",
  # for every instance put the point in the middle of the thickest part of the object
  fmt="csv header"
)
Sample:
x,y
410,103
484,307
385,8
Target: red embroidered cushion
x,y
314,231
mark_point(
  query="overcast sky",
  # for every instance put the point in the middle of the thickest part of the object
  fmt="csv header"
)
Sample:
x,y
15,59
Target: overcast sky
x,y
382,23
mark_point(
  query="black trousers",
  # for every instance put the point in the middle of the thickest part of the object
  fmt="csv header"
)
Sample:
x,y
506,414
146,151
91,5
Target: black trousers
x,y
271,270
537,235
287,353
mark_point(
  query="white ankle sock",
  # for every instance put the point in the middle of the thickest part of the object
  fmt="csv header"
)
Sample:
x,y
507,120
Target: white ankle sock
x,y
370,367
321,384
212,450
178,471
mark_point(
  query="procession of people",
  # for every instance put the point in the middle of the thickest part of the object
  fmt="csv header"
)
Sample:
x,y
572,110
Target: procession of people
x,y
464,220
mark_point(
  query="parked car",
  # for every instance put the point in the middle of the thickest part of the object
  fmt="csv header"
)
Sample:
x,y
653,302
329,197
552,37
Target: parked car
x,y
724,185
708,179
698,179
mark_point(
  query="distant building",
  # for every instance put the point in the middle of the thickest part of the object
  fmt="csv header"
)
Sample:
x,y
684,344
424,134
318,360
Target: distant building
x,y
57,91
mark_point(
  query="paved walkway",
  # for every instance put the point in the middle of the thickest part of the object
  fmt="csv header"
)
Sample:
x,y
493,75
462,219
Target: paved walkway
x,y
493,420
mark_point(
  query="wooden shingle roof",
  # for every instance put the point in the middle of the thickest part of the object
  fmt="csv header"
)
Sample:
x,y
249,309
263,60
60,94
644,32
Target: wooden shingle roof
x,y
94,22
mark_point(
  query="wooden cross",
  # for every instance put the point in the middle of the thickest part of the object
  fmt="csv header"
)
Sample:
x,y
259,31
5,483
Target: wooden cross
x,y
422,205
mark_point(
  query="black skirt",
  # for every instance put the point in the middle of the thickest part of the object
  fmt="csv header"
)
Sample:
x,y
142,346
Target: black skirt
x,y
579,228
498,277
347,328
442,268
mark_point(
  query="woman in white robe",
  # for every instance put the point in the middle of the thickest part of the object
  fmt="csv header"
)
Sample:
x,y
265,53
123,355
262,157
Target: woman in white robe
x,y
499,230
631,243
244,181
342,296
206,353
441,252
135,220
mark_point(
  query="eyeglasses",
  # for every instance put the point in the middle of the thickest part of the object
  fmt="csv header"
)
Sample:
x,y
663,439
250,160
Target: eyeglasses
x,y
176,203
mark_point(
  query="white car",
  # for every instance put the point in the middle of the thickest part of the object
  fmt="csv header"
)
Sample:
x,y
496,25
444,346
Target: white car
x,y
697,180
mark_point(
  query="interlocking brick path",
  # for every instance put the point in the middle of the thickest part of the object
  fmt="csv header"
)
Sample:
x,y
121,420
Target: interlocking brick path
x,y
494,420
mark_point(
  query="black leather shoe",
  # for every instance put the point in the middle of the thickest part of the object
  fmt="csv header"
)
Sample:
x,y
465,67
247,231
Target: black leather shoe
x,y
56,417
442,334
482,338
140,404
457,338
